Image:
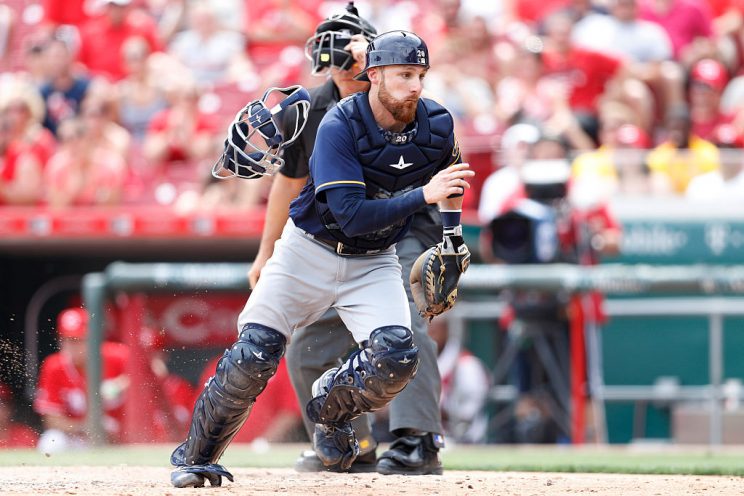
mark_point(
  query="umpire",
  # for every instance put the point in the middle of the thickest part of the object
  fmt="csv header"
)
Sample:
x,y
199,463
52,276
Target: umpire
x,y
337,51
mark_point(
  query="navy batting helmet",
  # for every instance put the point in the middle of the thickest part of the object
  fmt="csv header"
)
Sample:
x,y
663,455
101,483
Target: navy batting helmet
x,y
326,47
395,48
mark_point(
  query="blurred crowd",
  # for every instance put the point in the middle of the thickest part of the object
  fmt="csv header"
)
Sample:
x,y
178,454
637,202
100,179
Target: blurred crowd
x,y
106,102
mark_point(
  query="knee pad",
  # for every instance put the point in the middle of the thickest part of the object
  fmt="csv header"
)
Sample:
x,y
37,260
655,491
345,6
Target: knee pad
x,y
393,357
369,379
246,367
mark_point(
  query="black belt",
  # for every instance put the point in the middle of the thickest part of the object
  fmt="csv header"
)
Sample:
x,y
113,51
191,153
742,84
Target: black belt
x,y
344,250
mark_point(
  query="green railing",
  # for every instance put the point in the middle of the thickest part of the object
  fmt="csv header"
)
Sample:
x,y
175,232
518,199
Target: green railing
x,y
611,279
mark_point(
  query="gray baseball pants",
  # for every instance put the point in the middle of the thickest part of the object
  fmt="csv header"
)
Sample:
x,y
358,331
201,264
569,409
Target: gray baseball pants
x,y
325,344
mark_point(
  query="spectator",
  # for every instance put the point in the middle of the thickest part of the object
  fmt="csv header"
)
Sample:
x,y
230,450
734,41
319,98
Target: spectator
x,y
86,170
99,112
61,397
103,37
708,79
25,145
72,12
732,99
726,183
182,132
442,25
727,16
13,434
530,96
587,74
63,92
466,96
622,34
617,163
532,12
478,60
644,45
277,28
681,156
465,386
207,49
8,19
580,9
140,95
32,66
170,16
526,94
687,22
275,416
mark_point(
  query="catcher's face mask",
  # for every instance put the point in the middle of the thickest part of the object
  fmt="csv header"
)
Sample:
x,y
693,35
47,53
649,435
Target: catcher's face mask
x,y
256,135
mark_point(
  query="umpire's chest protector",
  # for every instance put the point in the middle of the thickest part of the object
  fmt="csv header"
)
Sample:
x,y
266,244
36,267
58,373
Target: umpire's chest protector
x,y
396,163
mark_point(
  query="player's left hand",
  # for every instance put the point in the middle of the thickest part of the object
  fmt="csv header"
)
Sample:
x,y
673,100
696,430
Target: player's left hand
x,y
436,274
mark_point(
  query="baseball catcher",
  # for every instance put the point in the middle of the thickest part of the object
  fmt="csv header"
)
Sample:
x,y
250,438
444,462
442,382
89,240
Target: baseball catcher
x,y
337,52
379,157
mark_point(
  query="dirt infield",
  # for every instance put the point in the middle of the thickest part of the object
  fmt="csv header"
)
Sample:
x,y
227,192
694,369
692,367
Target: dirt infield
x,y
147,481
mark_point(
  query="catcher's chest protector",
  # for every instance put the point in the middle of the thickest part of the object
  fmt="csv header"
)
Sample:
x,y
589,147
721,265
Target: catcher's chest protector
x,y
395,165
411,159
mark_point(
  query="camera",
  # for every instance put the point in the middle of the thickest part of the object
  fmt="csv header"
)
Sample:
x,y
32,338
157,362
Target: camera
x,y
529,231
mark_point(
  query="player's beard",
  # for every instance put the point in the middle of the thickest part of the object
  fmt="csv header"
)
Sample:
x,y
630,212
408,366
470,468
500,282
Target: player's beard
x,y
402,110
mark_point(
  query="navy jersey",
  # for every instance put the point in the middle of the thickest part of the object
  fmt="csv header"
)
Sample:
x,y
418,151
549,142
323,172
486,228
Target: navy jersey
x,y
62,104
351,151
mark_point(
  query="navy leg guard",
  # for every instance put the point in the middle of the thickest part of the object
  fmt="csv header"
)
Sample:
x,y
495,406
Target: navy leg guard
x,y
225,403
369,379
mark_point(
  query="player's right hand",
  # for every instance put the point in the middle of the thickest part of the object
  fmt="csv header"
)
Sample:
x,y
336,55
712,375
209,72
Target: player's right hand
x,y
448,182
358,49
255,271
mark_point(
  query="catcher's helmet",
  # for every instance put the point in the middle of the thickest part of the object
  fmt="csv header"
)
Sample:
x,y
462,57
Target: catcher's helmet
x,y
326,47
255,137
395,48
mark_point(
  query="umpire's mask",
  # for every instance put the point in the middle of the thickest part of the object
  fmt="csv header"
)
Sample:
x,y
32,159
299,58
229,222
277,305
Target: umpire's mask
x,y
325,49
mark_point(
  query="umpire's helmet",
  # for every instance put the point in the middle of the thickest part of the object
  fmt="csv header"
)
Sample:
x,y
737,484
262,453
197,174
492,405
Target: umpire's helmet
x,y
326,47
395,48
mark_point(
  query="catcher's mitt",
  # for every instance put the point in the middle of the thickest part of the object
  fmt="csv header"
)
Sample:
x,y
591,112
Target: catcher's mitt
x,y
435,275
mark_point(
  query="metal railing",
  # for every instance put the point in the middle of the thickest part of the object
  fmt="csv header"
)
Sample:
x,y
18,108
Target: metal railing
x,y
714,307
711,282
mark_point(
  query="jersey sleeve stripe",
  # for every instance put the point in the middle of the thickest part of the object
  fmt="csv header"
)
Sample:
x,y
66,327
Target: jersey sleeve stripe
x,y
456,155
456,160
333,183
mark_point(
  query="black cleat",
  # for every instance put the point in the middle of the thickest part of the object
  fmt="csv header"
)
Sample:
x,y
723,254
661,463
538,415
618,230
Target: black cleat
x,y
412,455
196,475
308,461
